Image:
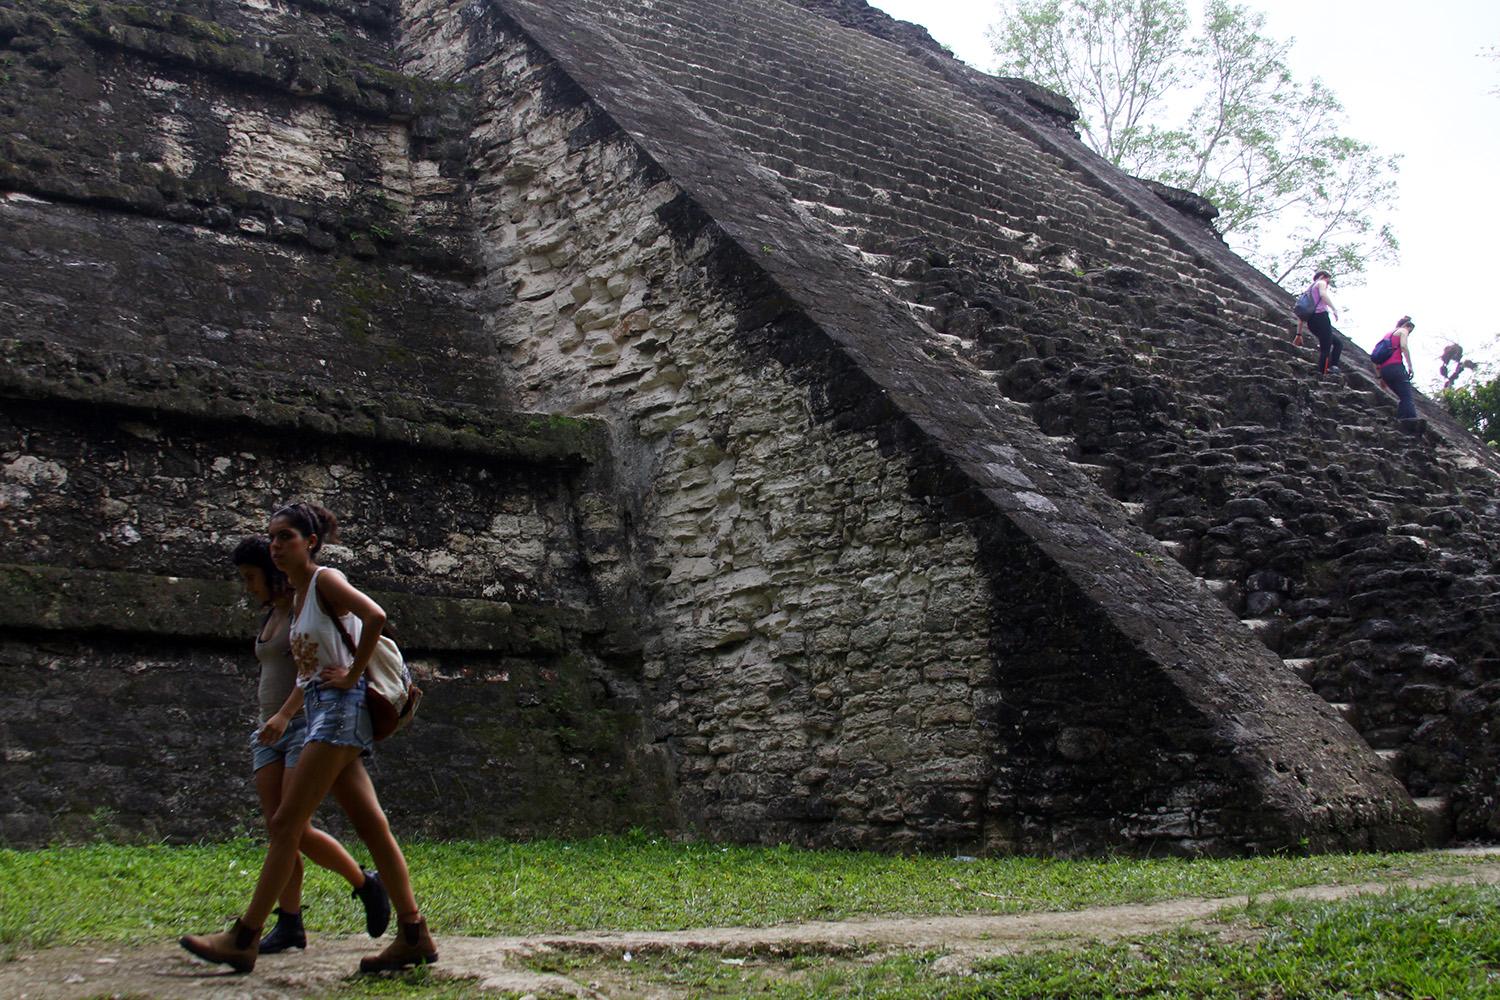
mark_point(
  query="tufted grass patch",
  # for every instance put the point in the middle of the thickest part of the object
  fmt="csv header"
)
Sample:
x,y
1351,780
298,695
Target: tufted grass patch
x,y
104,893
415,984
1439,942
1442,942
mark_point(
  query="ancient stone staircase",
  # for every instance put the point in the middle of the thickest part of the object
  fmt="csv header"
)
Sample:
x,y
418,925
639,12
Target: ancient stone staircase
x,y
1260,618
1328,527
1332,532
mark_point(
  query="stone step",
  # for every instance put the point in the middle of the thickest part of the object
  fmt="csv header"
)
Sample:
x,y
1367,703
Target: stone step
x,y
1267,630
1177,550
1064,444
1222,589
1135,511
1387,737
1227,591
1303,668
1349,713
1103,475
1437,820
1396,761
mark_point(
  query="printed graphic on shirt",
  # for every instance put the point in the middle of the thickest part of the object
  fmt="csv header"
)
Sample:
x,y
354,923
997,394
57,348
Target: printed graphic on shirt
x,y
305,652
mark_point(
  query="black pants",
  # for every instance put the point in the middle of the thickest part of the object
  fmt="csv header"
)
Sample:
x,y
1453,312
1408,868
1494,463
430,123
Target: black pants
x,y
1395,376
1329,349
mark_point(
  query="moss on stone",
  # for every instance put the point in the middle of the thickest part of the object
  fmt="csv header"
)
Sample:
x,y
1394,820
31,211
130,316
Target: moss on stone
x,y
53,374
75,601
285,62
172,22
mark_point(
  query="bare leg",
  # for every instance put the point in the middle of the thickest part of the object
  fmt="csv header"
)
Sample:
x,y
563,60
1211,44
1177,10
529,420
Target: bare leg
x,y
356,796
268,785
324,850
308,784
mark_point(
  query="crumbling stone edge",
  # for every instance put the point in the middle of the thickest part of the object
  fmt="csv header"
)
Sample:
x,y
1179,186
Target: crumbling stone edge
x,y
80,601
46,373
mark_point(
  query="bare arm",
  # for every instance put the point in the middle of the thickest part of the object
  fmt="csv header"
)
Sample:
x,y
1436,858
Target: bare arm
x,y
1406,356
273,727
341,597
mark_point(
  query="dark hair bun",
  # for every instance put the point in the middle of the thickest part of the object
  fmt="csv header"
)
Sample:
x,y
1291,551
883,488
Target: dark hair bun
x,y
311,519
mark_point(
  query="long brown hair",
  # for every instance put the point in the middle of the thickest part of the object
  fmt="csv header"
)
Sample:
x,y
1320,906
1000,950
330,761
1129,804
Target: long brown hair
x,y
256,551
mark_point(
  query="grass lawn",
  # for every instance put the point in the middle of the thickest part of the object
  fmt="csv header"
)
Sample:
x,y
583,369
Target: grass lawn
x,y
99,893
1438,943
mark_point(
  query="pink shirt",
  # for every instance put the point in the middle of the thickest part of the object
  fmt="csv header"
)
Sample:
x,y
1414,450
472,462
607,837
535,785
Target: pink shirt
x,y
1324,300
1395,338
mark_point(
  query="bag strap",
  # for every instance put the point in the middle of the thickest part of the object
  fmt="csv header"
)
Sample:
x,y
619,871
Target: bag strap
x,y
343,632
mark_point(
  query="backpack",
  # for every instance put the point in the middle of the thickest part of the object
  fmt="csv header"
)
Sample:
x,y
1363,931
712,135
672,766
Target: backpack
x,y
1306,305
1383,350
390,695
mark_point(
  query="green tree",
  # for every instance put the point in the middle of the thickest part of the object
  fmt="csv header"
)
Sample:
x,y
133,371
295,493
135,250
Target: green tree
x,y
1477,404
1477,407
1118,60
1218,112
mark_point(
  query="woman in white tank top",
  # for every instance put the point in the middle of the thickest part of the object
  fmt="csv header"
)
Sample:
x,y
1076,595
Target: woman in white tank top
x,y
334,630
276,747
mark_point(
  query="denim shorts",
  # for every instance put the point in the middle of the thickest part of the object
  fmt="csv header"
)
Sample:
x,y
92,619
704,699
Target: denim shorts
x,y
338,717
284,751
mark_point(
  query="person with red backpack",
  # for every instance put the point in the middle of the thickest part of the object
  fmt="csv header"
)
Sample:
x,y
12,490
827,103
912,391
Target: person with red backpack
x,y
1392,357
1312,307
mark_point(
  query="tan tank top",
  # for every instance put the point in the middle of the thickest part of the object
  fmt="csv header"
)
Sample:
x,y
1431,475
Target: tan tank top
x,y
278,671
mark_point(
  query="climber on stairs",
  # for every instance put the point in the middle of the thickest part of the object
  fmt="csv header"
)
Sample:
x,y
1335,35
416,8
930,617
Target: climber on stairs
x,y
1320,293
1395,367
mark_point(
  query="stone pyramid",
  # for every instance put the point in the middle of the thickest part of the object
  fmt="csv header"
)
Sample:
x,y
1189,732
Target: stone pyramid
x,y
764,426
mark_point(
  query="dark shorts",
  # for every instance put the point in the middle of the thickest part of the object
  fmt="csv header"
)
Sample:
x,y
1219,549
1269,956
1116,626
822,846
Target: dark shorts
x,y
338,717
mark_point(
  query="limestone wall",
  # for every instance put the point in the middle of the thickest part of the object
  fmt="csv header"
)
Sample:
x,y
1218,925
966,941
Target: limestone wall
x,y
1124,336
233,274
789,482
733,408
198,113
816,643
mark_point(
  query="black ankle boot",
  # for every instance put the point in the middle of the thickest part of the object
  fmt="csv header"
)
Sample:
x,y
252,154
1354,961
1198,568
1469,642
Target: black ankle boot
x,y
287,933
377,904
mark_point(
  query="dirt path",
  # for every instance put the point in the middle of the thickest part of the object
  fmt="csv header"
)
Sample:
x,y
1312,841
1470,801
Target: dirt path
x,y
165,971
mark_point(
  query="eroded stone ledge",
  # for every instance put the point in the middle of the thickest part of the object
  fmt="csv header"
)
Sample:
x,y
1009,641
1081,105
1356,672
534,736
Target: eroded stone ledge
x,y
47,373
61,146
377,15
228,208
76,601
304,66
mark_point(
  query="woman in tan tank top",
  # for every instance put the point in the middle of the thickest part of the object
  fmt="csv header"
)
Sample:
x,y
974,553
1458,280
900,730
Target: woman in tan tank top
x,y
331,682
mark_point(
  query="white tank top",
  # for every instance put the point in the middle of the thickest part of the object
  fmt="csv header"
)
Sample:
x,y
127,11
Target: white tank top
x,y
315,639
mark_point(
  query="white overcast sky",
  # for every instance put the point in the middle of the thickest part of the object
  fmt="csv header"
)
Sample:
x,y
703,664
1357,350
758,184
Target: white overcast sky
x,y
1411,77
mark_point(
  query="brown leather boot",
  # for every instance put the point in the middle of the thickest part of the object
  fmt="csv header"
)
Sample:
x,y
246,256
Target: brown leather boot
x,y
413,946
236,947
